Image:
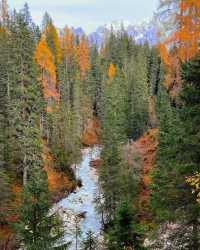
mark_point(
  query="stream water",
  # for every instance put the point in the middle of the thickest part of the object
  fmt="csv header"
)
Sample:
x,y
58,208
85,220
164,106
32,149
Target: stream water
x,y
78,210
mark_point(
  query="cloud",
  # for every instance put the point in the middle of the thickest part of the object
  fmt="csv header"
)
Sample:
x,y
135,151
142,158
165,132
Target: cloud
x,y
89,14
49,3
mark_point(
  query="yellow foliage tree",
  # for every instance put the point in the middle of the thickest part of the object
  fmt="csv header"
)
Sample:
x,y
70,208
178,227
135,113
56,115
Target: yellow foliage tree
x,y
194,182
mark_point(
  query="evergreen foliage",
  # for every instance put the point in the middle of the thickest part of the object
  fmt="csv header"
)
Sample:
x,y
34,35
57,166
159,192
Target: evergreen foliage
x,y
90,243
177,156
52,83
122,234
38,227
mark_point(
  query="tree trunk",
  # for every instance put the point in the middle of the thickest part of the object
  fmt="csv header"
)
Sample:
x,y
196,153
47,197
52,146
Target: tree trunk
x,y
25,172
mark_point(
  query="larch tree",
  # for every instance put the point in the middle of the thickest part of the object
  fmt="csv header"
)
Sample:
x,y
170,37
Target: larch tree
x,y
111,71
188,34
44,59
67,44
82,52
53,42
182,40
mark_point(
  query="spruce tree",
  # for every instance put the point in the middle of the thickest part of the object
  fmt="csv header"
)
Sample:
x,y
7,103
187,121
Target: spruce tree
x,y
95,80
3,97
121,235
113,136
176,161
25,99
138,95
38,227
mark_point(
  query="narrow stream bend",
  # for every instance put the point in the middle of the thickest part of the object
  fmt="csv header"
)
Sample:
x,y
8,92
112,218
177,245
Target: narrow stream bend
x,y
78,210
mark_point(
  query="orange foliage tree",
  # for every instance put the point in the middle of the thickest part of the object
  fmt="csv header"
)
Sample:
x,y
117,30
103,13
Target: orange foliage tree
x,y
67,44
44,59
82,52
187,37
111,71
182,44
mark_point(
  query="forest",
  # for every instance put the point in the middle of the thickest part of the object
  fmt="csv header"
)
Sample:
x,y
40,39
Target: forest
x,y
139,104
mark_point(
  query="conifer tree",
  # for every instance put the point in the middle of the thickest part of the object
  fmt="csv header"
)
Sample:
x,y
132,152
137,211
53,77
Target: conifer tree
x,y
121,235
3,97
52,38
38,227
90,243
138,91
113,135
175,161
25,103
6,196
95,80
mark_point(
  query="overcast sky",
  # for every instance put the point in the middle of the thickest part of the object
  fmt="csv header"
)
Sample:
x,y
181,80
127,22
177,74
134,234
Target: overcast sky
x,y
89,14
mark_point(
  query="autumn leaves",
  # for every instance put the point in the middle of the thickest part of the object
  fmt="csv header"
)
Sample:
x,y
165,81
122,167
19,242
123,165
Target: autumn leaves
x,y
182,43
51,49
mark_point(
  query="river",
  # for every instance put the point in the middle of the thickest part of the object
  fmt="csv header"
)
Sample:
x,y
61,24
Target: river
x,y
78,210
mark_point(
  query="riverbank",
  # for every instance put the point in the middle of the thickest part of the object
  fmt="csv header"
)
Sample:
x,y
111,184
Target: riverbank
x,y
60,183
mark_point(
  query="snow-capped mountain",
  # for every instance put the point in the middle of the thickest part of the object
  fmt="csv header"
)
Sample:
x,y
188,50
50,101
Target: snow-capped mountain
x,y
117,25
146,31
143,32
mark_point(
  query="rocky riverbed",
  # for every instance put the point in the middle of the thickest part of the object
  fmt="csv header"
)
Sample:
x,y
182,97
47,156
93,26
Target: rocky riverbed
x,y
78,210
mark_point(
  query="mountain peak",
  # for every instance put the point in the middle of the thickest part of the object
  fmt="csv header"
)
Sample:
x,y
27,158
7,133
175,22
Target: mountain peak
x,y
117,25
145,31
